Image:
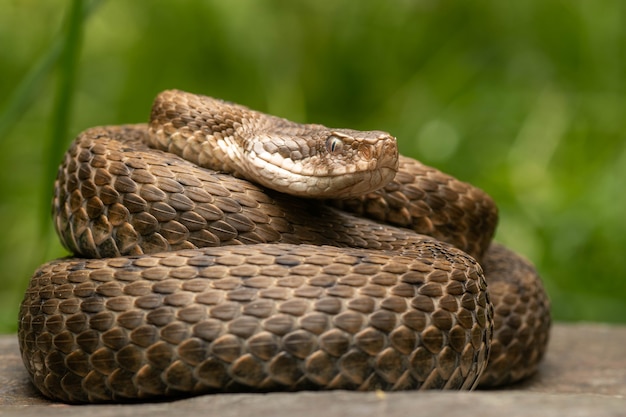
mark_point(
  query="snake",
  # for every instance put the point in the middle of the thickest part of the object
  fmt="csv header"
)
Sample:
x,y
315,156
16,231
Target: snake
x,y
221,249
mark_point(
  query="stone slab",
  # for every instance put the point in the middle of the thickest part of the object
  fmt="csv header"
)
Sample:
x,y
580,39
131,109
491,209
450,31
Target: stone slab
x,y
583,374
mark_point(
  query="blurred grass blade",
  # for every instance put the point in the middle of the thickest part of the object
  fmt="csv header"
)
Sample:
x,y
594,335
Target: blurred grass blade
x,y
68,65
25,92
29,87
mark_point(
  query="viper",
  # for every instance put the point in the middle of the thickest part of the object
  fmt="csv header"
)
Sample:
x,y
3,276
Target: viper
x,y
221,249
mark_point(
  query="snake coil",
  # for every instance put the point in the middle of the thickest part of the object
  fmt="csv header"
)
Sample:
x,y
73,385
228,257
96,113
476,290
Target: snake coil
x,y
192,280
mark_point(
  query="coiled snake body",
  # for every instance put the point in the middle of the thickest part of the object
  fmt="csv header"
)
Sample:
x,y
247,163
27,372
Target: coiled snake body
x,y
192,280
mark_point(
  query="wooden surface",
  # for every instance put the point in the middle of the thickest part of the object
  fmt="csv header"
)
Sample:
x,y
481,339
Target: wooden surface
x,y
584,374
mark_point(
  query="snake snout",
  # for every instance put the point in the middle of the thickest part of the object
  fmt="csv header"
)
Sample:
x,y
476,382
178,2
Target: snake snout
x,y
389,154
356,163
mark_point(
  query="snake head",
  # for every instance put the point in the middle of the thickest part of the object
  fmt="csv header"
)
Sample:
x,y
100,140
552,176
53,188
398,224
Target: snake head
x,y
307,160
318,162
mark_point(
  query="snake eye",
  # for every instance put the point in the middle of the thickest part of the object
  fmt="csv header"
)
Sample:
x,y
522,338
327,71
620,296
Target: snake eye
x,y
334,145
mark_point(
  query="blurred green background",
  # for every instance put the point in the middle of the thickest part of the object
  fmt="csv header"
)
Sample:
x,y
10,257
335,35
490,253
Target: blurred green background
x,y
524,99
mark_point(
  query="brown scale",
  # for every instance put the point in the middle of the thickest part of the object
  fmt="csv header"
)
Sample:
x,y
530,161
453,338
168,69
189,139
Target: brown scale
x,y
383,308
430,202
261,317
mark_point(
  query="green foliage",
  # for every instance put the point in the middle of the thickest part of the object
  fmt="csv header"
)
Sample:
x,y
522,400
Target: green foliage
x,y
524,99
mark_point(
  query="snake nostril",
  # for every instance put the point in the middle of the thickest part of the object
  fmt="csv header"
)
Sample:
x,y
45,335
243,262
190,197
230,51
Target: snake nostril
x,y
365,151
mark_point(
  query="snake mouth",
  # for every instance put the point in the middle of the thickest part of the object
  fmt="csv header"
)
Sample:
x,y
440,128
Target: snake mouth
x,y
374,181
338,185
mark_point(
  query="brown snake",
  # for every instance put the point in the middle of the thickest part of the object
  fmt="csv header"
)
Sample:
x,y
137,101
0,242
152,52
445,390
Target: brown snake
x,y
190,280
